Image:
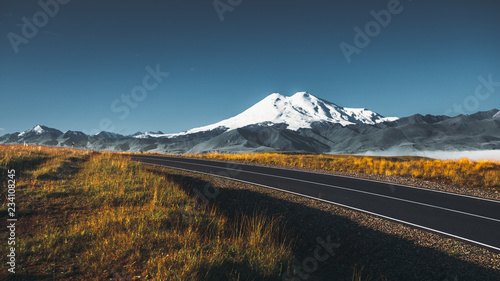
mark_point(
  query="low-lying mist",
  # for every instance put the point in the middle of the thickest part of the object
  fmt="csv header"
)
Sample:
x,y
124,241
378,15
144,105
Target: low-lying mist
x,y
493,155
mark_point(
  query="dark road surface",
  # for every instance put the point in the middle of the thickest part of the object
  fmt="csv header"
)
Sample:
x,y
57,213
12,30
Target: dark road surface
x,y
471,219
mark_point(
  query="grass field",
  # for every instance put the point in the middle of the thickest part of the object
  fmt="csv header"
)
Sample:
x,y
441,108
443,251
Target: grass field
x,y
473,174
87,215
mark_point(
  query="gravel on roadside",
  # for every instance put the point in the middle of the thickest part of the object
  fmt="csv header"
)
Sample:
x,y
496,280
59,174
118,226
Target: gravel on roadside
x,y
386,249
415,182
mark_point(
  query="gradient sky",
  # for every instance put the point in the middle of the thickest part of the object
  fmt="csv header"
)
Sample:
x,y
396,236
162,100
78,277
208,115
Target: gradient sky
x,y
426,60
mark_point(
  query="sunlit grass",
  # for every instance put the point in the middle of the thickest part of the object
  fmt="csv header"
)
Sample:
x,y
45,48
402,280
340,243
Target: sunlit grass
x,y
464,172
85,215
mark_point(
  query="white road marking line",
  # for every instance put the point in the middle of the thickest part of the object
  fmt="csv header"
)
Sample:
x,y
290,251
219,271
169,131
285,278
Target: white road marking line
x,y
348,189
342,205
342,176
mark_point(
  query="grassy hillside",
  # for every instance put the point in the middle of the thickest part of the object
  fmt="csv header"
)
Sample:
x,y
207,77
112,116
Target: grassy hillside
x,y
85,215
473,174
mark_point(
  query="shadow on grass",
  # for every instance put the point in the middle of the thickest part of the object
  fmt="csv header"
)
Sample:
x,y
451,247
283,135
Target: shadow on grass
x,y
233,271
381,254
22,166
19,277
68,167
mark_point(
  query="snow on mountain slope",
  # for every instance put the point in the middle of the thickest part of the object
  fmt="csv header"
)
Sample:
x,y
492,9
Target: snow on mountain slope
x,y
38,130
108,135
297,111
146,135
496,116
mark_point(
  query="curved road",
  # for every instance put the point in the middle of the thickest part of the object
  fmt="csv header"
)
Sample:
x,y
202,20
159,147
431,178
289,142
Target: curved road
x,y
471,219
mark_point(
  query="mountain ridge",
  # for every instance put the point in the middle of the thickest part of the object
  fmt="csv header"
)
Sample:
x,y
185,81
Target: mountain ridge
x,y
297,111
312,133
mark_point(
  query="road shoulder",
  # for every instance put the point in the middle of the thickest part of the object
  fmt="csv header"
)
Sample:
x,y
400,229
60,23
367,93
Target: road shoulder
x,y
383,247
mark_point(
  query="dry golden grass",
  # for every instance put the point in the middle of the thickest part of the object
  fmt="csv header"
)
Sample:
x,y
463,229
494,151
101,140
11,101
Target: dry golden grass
x,y
464,172
85,215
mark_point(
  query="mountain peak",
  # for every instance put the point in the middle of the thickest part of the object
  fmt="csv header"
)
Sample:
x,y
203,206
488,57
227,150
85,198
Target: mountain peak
x,y
274,96
107,135
38,130
297,111
302,94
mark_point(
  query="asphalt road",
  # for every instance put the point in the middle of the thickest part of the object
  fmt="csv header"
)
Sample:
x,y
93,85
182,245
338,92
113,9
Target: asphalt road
x,y
471,219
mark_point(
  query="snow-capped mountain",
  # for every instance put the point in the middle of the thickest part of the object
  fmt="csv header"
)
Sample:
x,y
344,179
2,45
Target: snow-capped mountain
x,y
298,111
300,123
38,130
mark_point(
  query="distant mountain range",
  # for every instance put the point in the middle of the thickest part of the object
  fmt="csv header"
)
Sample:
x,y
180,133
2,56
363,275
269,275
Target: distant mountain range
x,y
302,123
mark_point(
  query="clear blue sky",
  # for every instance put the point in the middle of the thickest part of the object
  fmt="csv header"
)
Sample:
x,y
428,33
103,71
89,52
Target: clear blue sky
x,y
425,60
